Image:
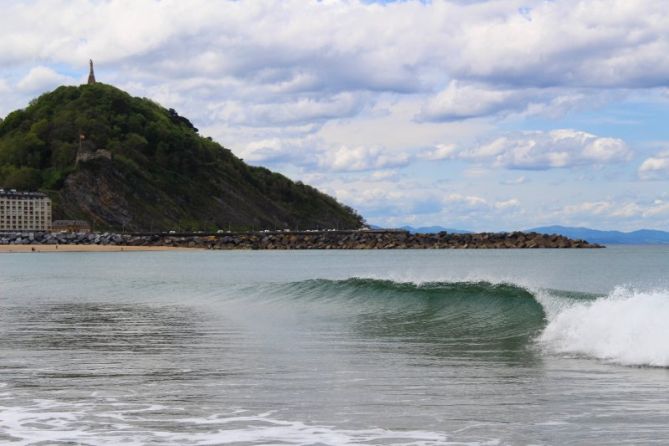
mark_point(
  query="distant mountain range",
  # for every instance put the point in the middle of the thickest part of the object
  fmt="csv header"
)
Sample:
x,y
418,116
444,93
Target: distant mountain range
x,y
640,237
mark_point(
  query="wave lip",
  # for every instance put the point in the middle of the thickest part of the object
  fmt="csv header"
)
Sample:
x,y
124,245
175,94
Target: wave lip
x,y
455,317
626,327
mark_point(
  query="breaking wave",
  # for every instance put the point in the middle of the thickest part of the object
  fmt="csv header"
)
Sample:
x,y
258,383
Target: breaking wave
x,y
626,326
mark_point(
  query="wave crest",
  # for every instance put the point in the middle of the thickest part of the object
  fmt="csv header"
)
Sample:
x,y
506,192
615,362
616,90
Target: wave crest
x,y
472,316
626,327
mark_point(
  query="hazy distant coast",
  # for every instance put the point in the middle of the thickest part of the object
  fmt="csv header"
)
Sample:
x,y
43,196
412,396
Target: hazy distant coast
x,y
378,239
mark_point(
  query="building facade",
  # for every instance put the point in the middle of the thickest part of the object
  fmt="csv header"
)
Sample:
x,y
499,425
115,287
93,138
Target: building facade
x,y
24,211
70,226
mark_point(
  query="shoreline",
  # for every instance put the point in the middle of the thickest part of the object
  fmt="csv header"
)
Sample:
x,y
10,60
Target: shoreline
x,y
29,249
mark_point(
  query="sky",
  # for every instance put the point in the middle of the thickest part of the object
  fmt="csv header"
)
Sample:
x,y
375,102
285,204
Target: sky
x,y
481,115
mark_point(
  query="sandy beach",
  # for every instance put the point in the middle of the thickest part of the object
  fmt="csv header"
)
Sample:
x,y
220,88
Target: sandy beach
x,y
6,249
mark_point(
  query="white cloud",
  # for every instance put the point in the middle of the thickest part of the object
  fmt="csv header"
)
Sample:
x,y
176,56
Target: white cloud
x,y
534,150
659,207
287,63
266,150
470,200
594,208
511,203
296,46
298,111
655,167
515,181
460,101
344,158
41,79
586,42
539,150
439,152
384,175
400,200
638,210
476,171
626,210
313,153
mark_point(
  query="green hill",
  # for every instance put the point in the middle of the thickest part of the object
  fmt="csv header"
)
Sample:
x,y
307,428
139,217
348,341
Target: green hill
x,y
121,161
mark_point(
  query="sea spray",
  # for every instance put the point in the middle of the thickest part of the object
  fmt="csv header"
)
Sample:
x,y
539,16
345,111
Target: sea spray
x,y
627,327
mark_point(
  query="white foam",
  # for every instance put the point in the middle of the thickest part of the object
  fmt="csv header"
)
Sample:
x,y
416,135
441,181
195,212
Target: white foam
x,y
265,430
626,327
53,422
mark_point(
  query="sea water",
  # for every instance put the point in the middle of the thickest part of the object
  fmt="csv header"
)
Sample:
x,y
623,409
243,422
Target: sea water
x,y
433,347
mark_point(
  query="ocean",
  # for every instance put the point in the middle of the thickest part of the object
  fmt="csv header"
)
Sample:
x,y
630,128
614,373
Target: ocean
x,y
431,347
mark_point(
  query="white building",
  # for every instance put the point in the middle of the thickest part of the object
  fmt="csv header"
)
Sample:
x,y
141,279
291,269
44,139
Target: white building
x,y
24,211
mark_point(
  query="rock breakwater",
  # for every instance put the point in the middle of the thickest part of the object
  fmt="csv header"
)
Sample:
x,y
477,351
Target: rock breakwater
x,y
305,240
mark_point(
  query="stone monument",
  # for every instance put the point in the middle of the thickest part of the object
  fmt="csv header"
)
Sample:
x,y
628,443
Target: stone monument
x,y
91,73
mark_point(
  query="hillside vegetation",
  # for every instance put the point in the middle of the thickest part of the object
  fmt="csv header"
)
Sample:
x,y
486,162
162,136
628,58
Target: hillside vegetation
x,y
162,174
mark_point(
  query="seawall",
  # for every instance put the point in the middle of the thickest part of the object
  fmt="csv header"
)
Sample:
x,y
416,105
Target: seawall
x,y
306,240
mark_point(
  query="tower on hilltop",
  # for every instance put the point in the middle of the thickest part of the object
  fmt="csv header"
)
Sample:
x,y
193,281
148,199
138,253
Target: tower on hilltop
x,y
91,73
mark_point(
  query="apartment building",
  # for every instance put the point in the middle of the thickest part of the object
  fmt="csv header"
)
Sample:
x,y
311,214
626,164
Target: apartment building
x,y
24,211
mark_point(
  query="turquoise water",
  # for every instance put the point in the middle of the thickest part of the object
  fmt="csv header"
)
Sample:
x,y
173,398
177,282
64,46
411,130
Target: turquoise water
x,y
335,347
